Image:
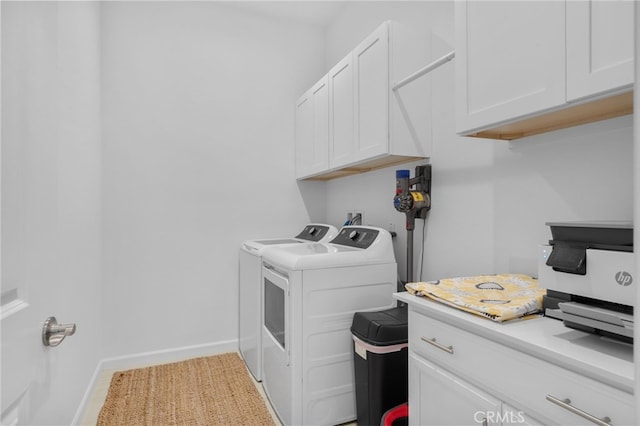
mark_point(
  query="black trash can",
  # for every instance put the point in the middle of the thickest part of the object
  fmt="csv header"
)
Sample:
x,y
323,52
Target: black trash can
x,y
380,353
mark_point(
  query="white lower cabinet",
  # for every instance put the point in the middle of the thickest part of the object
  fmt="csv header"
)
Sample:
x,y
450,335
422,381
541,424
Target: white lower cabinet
x,y
513,416
437,397
460,377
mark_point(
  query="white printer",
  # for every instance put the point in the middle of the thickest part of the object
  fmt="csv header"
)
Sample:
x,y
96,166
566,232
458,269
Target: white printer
x,y
589,273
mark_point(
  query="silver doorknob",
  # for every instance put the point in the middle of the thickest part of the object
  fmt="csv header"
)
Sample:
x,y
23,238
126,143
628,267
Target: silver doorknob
x,y
53,333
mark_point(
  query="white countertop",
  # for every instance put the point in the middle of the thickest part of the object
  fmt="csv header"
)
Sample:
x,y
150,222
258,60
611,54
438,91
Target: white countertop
x,y
597,357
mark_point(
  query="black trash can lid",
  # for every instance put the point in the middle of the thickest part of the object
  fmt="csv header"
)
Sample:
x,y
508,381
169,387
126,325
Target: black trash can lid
x,y
381,328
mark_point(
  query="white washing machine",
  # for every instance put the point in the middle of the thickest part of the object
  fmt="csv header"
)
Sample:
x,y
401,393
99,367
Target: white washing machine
x,y
311,292
250,283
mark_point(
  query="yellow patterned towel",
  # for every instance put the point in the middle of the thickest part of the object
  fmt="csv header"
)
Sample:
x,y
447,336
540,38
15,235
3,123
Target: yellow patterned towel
x,y
498,297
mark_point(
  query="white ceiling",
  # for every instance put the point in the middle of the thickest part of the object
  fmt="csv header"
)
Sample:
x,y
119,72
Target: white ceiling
x,y
302,11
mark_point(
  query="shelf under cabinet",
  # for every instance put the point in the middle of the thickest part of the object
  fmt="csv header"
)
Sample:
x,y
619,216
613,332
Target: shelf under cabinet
x,y
365,166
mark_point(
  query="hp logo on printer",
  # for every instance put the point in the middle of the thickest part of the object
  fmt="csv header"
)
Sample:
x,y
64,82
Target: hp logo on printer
x,y
624,278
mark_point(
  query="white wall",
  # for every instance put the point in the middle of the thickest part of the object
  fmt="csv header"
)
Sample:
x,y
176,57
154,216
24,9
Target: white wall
x,y
198,155
194,153
636,183
51,197
491,199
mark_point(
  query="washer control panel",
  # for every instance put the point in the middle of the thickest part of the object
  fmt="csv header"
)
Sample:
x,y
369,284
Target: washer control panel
x,y
356,237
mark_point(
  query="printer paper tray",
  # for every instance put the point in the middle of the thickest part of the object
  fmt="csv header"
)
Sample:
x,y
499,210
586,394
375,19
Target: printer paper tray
x,y
598,318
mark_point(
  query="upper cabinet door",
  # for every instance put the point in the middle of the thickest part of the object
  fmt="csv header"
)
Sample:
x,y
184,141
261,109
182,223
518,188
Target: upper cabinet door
x,y
599,47
312,130
320,96
510,60
371,68
341,119
304,135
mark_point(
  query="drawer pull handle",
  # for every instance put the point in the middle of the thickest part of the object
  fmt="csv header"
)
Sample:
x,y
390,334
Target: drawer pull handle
x,y
566,404
432,341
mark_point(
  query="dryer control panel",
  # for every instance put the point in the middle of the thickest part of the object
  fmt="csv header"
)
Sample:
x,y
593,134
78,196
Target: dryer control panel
x,y
354,236
313,232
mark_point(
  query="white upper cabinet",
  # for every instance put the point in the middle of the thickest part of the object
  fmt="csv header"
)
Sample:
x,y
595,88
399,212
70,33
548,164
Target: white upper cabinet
x,y
371,68
369,125
509,60
526,67
341,113
312,130
599,47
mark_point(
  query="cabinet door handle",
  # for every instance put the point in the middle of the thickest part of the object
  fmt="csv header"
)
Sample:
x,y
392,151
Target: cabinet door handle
x,y
566,404
432,341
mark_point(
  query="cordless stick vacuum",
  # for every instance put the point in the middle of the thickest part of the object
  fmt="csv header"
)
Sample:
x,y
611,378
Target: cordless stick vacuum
x,y
413,203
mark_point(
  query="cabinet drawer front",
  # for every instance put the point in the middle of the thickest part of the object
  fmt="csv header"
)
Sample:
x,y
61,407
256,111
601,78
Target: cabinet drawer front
x,y
515,377
437,341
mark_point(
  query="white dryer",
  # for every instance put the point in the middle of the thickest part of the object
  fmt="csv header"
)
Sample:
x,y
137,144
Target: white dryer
x,y
250,283
311,293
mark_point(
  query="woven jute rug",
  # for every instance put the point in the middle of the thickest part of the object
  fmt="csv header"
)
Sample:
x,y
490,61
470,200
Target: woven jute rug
x,y
205,391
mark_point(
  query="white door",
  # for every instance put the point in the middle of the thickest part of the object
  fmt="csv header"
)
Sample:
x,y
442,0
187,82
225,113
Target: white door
x,y
50,162
28,212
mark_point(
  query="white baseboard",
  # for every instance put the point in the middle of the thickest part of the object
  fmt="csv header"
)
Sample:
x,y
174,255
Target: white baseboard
x,y
145,359
164,356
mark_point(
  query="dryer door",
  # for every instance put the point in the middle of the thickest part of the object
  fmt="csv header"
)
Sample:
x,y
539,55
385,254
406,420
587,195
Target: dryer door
x,y
276,342
276,308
